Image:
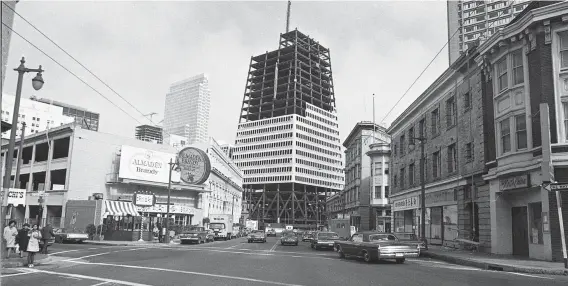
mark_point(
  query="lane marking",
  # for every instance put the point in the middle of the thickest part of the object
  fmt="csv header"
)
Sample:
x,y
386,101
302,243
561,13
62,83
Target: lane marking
x,y
274,246
524,274
79,276
99,284
15,274
104,253
73,250
262,253
188,272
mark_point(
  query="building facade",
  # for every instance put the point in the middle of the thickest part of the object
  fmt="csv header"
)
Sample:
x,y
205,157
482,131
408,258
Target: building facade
x,y
287,141
149,133
470,21
448,119
364,200
187,109
8,20
87,119
228,149
525,71
38,116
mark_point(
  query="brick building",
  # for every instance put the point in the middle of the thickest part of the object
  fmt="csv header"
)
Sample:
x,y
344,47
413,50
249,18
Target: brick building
x,y
448,117
524,65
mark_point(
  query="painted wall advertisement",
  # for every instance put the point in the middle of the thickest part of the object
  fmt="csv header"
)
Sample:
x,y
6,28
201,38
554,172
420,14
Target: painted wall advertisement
x,y
145,165
406,204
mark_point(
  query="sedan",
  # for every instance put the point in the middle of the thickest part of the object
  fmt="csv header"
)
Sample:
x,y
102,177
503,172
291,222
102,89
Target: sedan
x,y
256,235
63,236
324,240
289,238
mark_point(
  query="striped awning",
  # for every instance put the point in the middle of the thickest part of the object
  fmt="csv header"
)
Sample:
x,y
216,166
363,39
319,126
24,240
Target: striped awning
x,y
118,208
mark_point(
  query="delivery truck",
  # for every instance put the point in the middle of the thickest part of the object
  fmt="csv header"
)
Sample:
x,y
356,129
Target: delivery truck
x,y
221,225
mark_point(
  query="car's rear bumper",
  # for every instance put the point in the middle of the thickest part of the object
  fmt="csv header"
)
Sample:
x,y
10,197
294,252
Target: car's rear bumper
x,y
190,239
398,255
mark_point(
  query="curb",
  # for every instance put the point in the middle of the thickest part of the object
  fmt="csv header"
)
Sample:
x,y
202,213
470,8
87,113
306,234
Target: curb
x,y
106,243
17,264
494,266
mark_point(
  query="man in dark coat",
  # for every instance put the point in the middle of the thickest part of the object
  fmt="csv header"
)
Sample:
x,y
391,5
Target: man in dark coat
x,y
23,238
46,235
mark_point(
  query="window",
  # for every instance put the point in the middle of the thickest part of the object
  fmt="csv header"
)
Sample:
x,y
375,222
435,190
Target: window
x,y
378,169
451,114
387,191
402,177
378,192
402,141
505,136
565,107
521,131
535,218
452,158
435,122
469,152
502,82
395,181
411,174
436,160
517,65
467,100
563,49
410,134
421,126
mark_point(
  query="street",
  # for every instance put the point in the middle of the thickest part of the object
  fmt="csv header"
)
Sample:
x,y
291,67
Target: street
x,y
237,262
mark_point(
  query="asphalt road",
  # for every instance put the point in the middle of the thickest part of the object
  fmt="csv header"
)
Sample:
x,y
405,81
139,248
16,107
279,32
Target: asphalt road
x,y
237,262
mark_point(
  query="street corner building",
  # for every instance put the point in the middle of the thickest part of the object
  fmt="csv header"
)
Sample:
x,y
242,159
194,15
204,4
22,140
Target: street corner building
x,y
287,140
525,83
364,200
71,177
447,118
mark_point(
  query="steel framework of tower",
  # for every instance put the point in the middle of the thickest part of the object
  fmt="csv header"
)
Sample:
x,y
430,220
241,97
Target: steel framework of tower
x,y
279,83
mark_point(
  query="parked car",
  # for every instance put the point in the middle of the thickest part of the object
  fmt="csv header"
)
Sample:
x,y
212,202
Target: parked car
x,y
193,236
307,236
270,232
289,238
256,235
371,246
50,242
408,237
323,239
210,236
61,235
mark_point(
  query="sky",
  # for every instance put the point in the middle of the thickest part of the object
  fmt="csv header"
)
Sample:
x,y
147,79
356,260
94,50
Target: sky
x,y
140,48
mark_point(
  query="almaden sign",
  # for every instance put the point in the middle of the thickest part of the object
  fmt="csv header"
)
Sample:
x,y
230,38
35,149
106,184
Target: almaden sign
x,y
152,166
145,165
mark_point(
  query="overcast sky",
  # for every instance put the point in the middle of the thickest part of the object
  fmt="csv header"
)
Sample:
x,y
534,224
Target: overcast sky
x,y
140,48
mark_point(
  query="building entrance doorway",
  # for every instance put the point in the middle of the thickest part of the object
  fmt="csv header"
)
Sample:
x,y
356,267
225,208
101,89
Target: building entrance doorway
x,y
520,231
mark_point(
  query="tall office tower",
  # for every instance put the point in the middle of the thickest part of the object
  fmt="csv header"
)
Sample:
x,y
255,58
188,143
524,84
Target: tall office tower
x,y
471,21
149,133
287,141
187,109
7,8
83,117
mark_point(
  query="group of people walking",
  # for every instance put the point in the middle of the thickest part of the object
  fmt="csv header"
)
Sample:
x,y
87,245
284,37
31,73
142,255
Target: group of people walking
x,y
28,240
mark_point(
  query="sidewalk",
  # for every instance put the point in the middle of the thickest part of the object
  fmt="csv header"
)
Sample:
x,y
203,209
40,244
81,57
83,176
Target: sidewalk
x,y
127,243
16,261
494,261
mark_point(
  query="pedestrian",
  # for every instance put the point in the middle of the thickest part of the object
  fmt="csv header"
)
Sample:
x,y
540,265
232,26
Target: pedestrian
x,y
33,244
10,233
46,235
23,239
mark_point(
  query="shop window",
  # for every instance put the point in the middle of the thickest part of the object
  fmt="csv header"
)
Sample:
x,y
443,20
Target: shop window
x,y
535,218
404,221
450,222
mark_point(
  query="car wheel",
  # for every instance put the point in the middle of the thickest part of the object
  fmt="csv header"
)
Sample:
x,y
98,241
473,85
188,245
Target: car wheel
x,y
316,247
296,244
264,240
400,261
367,257
311,245
340,252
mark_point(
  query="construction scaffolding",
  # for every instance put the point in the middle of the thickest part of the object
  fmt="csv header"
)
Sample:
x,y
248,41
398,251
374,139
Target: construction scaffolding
x,y
279,83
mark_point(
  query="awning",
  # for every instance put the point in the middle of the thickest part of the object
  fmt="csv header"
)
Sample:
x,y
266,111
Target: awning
x,y
118,208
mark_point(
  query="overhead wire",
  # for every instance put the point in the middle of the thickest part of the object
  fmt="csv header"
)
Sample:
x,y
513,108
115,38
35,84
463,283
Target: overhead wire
x,y
437,54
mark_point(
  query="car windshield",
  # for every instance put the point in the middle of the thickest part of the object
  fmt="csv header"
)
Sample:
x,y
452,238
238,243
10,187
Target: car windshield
x,y
217,225
382,237
258,232
289,234
327,235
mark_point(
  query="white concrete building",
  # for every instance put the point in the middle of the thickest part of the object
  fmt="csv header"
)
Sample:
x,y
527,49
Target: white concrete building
x,y
225,184
38,116
187,109
228,149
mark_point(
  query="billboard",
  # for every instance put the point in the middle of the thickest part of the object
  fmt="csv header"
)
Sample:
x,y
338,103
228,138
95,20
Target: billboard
x,y
145,165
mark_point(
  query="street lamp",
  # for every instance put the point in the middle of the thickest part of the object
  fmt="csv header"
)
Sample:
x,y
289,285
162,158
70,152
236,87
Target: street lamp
x,y
411,145
173,166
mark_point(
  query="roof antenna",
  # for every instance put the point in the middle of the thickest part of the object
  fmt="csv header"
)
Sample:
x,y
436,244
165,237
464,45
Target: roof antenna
x,y
288,17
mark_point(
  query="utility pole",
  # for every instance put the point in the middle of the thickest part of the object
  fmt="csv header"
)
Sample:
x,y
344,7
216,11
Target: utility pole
x,y
20,159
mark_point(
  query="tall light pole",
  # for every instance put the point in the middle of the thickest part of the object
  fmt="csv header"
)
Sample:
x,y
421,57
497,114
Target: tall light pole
x,y
422,142
37,84
172,167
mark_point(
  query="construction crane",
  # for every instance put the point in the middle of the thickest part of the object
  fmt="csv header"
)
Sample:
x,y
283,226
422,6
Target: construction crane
x,y
150,114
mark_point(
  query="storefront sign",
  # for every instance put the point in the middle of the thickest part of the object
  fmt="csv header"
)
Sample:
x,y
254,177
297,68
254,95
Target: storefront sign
x,y
145,165
163,208
406,204
144,199
515,182
441,197
194,165
16,197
